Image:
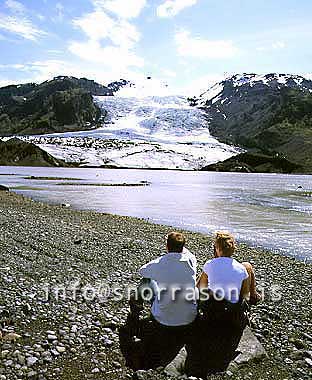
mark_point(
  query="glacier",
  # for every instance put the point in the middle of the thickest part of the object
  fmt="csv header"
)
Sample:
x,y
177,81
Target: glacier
x,y
162,132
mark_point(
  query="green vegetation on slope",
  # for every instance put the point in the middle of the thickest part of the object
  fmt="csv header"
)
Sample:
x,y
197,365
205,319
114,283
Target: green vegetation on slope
x,y
62,104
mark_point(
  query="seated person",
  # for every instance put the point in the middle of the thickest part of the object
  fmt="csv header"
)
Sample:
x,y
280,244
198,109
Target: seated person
x,y
225,284
173,310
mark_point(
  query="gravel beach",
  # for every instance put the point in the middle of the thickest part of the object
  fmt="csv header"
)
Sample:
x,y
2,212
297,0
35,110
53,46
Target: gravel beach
x,y
56,326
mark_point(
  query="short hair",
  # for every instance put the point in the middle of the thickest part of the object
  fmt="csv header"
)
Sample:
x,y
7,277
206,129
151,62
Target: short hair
x,y
175,242
226,242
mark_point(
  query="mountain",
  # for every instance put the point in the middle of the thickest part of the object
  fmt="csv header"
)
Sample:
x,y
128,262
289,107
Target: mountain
x,y
141,132
254,163
269,114
269,117
15,152
59,105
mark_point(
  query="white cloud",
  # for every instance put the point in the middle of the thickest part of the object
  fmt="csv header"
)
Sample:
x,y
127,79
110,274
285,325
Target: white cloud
x,y
21,26
98,26
114,56
197,47
18,22
39,71
201,84
123,9
171,8
169,73
6,82
110,40
15,6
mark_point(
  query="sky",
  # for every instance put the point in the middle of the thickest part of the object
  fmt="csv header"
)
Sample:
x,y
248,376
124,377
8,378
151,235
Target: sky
x,y
186,44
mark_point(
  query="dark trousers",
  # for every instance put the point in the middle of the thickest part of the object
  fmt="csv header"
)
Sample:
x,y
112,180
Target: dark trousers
x,y
215,338
155,345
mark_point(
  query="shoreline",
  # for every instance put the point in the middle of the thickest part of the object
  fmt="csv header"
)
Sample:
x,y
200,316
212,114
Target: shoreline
x,y
49,244
302,259
160,169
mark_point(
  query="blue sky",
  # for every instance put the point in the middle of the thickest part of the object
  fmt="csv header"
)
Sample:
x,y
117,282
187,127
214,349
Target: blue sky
x,y
188,44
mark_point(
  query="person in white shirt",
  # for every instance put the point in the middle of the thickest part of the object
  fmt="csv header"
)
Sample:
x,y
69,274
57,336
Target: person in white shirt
x,y
174,283
224,276
226,283
172,278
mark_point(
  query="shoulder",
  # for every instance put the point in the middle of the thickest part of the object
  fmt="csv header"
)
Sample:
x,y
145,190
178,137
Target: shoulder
x,y
242,268
189,254
207,265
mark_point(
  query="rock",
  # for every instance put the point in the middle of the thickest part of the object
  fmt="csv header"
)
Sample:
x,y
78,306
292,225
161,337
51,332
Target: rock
x,y
250,348
140,375
4,353
26,309
297,355
176,367
299,344
60,349
308,361
52,337
31,360
21,359
31,374
108,342
307,336
3,188
11,337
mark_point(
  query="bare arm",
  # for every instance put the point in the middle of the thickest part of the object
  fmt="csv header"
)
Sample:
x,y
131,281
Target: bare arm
x,y
249,285
202,281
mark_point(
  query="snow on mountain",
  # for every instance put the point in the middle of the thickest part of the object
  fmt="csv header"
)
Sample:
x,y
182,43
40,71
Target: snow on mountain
x,y
212,94
159,131
220,90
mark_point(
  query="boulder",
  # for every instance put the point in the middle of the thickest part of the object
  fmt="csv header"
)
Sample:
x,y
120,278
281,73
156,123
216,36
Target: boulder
x,y
248,350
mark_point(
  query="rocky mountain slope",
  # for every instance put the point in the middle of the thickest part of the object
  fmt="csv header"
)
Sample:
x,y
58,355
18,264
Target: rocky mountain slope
x,y
15,152
254,163
141,132
271,114
62,104
268,114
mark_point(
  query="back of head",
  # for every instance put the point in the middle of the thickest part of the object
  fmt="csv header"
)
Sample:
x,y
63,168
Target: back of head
x,y
225,243
175,242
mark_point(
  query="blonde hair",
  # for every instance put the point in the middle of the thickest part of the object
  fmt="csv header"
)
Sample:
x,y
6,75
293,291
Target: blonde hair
x,y
225,242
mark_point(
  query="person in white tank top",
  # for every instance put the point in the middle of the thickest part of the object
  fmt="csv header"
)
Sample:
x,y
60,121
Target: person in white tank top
x,y
227,284
225,277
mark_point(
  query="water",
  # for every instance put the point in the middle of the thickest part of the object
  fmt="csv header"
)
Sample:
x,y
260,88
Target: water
x,y
265,210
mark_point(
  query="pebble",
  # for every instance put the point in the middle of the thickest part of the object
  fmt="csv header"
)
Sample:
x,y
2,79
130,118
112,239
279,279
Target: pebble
x,y
52,337
84,328
309,361
60,349
31,360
